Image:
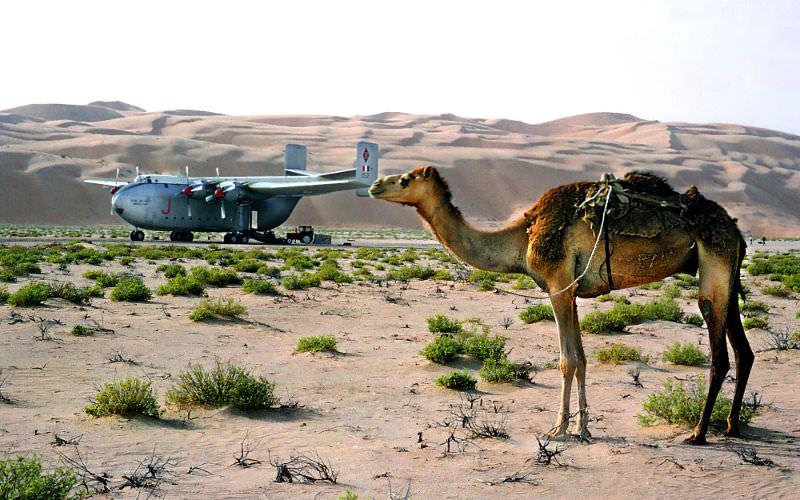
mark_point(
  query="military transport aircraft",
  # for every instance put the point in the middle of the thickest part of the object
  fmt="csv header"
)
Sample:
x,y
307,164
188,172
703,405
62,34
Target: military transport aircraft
x,y
242,207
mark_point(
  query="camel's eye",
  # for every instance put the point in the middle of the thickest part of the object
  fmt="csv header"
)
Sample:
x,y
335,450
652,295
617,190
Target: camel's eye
x,y
405,180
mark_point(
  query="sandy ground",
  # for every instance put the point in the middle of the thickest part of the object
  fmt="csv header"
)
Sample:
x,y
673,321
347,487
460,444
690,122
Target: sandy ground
x,y
363,408
495,167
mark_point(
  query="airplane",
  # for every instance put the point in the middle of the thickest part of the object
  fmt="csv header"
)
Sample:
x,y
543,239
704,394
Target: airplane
x,y
242,207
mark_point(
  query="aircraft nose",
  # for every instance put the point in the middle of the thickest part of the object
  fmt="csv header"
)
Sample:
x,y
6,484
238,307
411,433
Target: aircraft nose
x,y
117,204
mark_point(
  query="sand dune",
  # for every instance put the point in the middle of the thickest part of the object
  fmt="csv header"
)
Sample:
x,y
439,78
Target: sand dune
x,y
496,167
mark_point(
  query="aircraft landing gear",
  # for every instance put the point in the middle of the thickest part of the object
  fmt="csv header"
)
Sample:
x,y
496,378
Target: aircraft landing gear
x,y
236,238
181,236
137,235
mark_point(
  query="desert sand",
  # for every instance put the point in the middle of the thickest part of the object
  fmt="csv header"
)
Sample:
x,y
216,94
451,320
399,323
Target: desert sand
x,y
362,408
496,167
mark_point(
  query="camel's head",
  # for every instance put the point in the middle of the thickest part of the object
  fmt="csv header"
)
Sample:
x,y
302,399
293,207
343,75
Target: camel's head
x,y
410,188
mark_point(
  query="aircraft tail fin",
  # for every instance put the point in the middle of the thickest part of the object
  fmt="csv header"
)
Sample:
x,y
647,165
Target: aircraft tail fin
x,y
366,165
295,159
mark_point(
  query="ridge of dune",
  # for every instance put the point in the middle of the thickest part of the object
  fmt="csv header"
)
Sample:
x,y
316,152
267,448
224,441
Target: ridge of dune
x,y
117,106
495,167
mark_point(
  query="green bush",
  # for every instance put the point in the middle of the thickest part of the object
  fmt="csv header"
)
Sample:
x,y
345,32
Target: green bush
x,y
776,291
498,370
316,344
260,287
686,354
130,396
662,310
621,315
221,386
458,380
32,293
443,275
443,349
484,347
7,275
602,321
182,285
755,322
694,319
22,478
271,271
442,324
753,306
130,289
536,313
678,404
329,271
299,262
302,281
171,270
407,273
218,309
618,352
247,266
82,331
686,280
4,294
215,276
672,291
102,278
27,268
524,282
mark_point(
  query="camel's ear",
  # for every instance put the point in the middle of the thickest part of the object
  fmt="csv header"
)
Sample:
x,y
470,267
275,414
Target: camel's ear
x,y
428,172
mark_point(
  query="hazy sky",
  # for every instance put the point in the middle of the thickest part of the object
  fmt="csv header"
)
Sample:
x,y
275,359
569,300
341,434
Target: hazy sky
x,y
700,61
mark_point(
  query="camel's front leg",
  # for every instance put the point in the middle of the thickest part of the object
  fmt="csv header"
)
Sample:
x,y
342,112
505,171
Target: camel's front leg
x,y
572,361
582,420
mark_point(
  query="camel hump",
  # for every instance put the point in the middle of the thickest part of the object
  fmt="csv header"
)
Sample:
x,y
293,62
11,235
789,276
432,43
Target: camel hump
x,y
646,182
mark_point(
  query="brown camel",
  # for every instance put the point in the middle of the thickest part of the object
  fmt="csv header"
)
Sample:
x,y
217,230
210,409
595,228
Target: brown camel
x,y
651,233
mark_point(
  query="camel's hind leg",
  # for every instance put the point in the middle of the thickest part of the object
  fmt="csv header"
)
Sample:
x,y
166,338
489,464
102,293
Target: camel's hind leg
x,y
744,361
716,287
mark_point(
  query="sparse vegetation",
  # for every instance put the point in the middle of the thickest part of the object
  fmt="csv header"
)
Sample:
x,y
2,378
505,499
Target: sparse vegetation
x,y
171,270
215,276
102,278
621,315
755,322
679,404
302,281
4,294
130,396
458,380
316,344
539,312
618,352
685,353
443,349
498,370
34,293
225,384
776,291
183,285
218,309
22,478
407,273
260,287
130,289
442,324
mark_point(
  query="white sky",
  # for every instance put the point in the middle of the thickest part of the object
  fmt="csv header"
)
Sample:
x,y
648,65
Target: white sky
x,y
731,61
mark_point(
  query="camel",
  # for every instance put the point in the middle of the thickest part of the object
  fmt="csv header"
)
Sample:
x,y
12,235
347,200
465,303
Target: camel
x,y
560,250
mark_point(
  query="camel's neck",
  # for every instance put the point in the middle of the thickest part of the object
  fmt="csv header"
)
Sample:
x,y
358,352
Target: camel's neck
x,y
502,250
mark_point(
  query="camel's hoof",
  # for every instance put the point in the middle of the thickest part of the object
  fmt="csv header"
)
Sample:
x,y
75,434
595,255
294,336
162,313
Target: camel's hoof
x,y
732,432
556,435
583,435
696,440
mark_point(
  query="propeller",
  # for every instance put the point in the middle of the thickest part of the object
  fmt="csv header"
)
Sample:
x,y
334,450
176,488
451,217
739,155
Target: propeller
x,y
188,192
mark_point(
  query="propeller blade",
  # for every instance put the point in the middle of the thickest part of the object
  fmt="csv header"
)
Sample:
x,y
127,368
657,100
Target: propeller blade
x,y
137,170
187,170
116,177
217,168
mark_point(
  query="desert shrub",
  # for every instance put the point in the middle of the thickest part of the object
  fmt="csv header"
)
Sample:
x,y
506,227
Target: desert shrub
x,y
672,291
685,353
621,315
271,271
316,344
443,349
443,275
27,268
498,370
694,319
607,297
618,352
260,287
442,324
299,262
182,285
329,271
82,331
22,478
795,336
409,255
484,347
776,291
218,309
7,275
655,285
247,266
130,396
102,278
4,294
753,306
130,289
171,270
679,404
407,273
223,385
458,380
524,282
662,310
755,322
302,281
785,266
32,293
686,280
215,276
536,313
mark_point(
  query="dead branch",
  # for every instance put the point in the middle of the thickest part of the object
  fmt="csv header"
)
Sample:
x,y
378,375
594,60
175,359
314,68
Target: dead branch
x,y
150,473
546,456
750,456
91,481
243,460
64,441
304,468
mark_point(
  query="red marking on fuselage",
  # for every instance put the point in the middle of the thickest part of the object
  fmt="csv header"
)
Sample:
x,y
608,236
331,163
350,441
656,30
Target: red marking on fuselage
x,y
169,207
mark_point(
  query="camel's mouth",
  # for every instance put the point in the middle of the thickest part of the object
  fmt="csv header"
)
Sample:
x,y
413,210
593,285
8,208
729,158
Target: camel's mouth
x,y
376,190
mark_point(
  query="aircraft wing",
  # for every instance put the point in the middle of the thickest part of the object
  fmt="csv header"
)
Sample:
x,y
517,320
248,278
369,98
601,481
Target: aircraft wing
x,y
302,187
106,182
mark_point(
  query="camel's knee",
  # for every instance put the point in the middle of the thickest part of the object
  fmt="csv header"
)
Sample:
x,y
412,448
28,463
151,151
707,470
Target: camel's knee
x,y
569,365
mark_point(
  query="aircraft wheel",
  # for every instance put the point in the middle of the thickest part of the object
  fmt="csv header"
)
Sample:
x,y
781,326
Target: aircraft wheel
x,y
137,235
243,239
188,236
175,236
228,238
